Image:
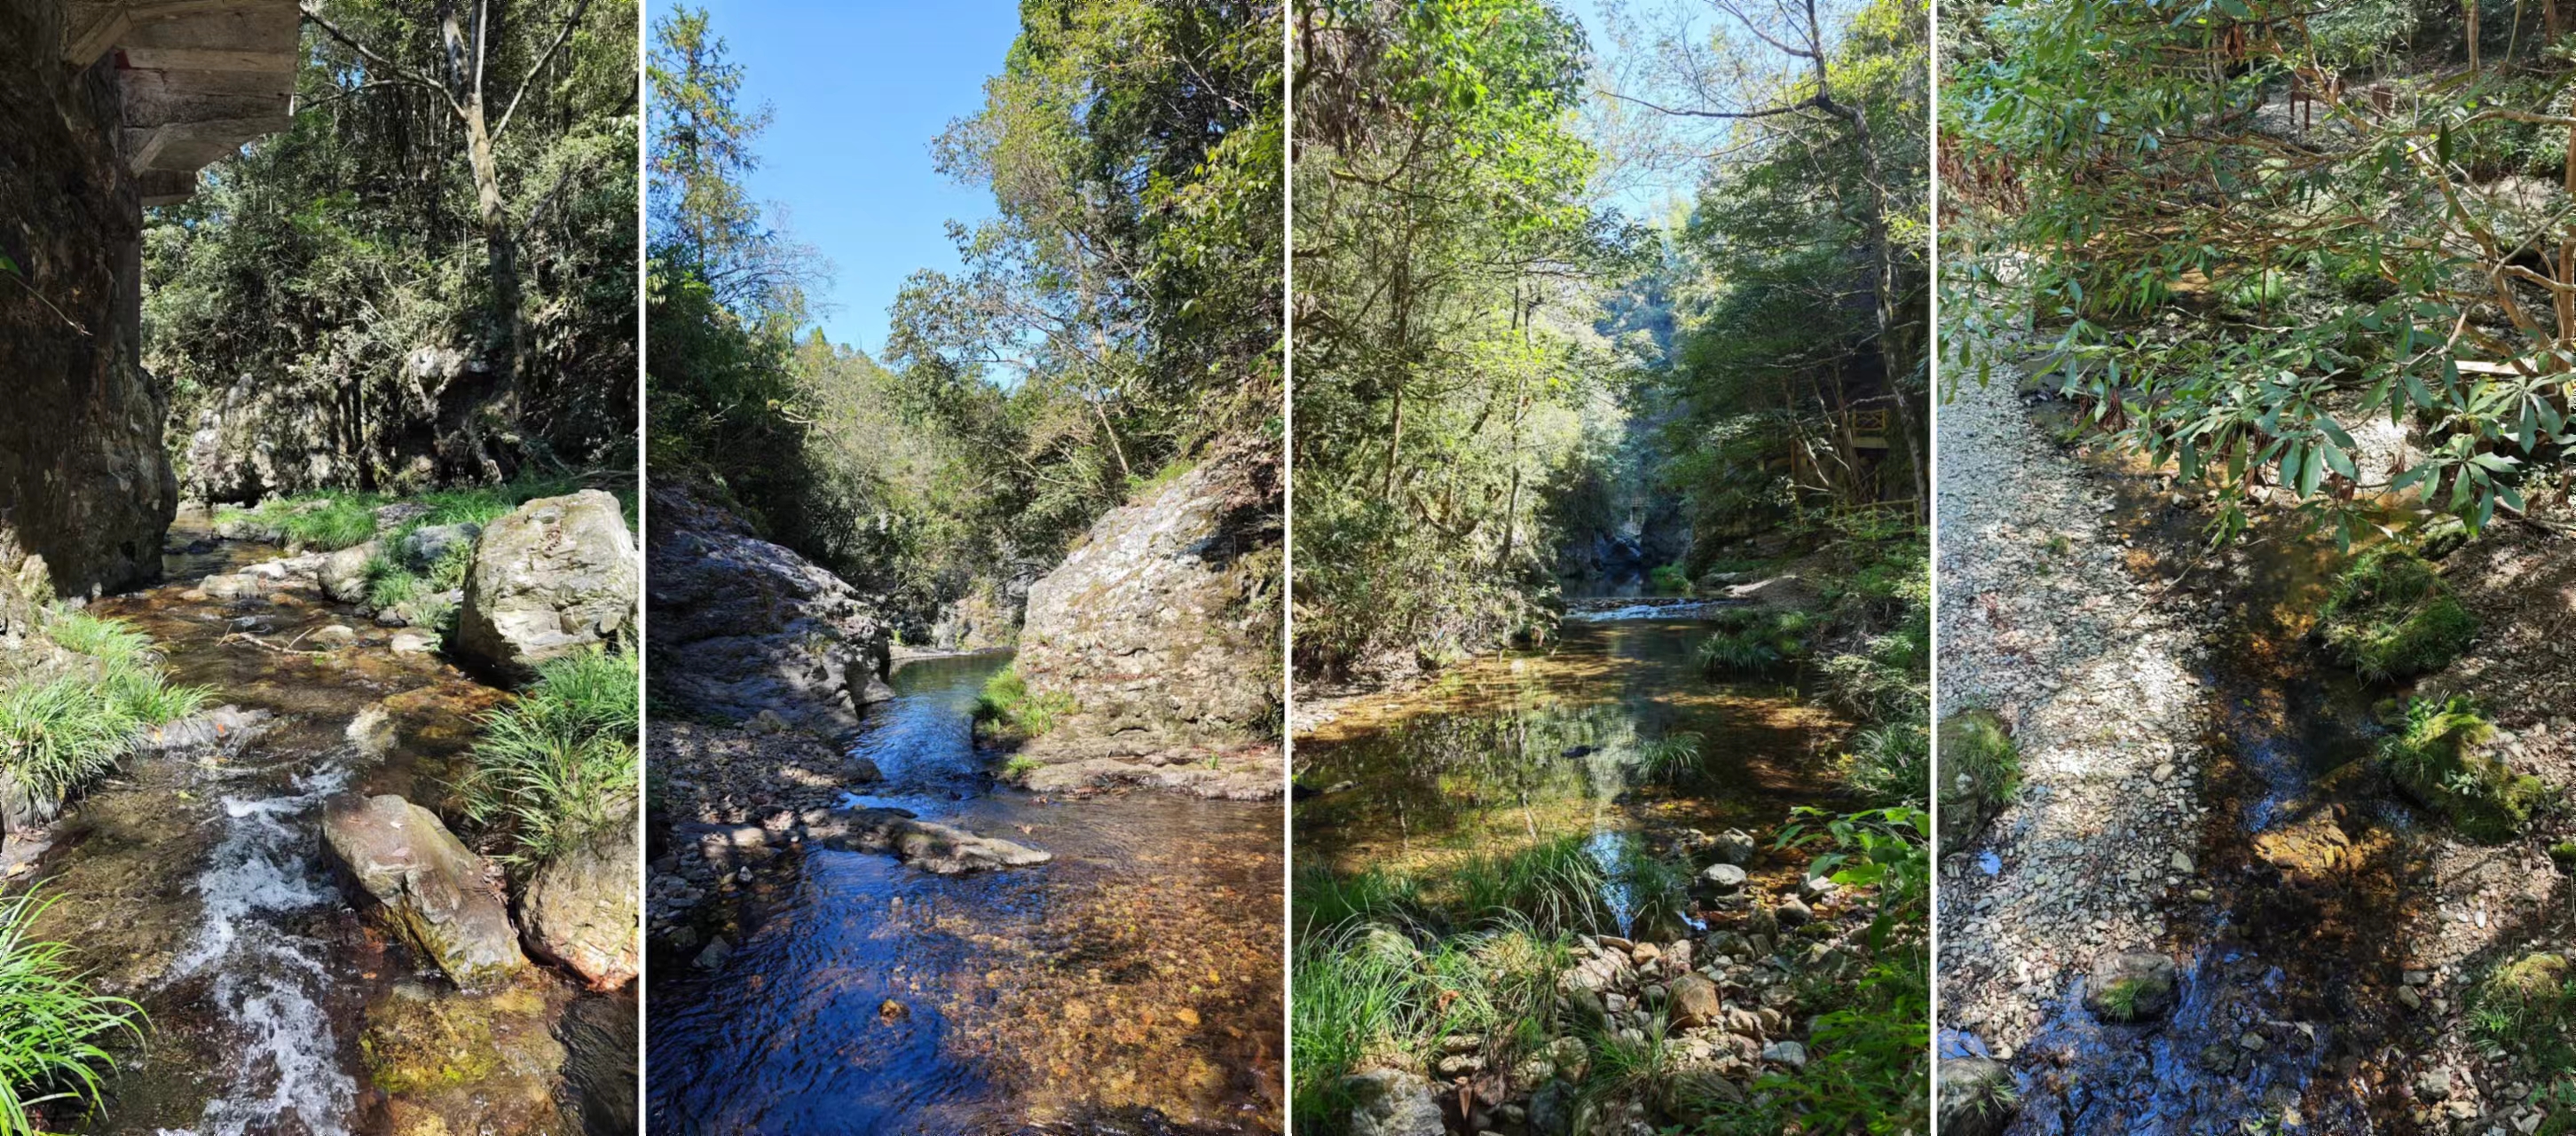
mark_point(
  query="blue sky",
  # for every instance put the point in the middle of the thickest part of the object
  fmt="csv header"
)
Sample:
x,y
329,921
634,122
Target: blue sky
x,y
857,91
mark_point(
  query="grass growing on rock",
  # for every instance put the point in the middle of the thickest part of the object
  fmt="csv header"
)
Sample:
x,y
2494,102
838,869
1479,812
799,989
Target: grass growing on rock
x,y
53,1025
1008,707
2435,758
2521,1011
327,521
59,733
2391,616
558,765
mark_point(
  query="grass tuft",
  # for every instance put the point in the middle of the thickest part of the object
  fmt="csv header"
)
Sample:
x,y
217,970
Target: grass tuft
x,y
2390,616
2435,759
1008,707
558,765
51,1047
1980,770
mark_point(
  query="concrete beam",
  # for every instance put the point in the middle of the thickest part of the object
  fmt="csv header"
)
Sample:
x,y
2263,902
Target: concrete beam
x,y
200,78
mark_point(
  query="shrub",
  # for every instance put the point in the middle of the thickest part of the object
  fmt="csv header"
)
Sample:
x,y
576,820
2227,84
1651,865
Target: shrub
x,y
55,1024
1669,580
1890,763
1754,642
1980,770
1007,706
2391,616
558,765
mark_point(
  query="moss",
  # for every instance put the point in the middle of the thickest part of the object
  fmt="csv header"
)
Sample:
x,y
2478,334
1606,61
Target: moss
x,y
418,1043
1007,707
2392,616
2435,760
1669,580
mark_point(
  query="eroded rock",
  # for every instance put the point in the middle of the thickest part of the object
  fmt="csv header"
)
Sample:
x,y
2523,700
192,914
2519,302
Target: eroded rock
x,y
581,909
441,898
556,576
929,846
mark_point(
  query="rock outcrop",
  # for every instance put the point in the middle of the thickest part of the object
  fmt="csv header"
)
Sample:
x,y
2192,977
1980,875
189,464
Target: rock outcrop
x,y
581,909
556,576
1161,627
742,625
295,431
441,898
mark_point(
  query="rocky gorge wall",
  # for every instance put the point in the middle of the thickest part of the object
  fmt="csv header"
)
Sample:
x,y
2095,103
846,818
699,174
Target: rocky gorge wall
x,y
83,479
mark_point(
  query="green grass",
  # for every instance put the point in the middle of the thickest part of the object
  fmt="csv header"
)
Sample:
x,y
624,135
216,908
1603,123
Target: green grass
x,y
1669,580
393,583
52,1027
1007,706
59,734
2390,616
2435,759
558,765
1672,759
2520,1014
1980,770
327,521
1753,642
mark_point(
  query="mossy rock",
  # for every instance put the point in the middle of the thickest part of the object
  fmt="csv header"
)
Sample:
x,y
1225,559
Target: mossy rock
x,y
2391,616
2532,989
1979,770
456,1062
2435,760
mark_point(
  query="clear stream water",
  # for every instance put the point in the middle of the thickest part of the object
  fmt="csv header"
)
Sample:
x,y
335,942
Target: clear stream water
x,y
1511,750
1132,985
195,881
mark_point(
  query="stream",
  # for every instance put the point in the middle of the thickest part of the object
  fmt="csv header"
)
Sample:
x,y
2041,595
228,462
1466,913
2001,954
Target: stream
x,y
2287,968
1132,985
196,882
1507,751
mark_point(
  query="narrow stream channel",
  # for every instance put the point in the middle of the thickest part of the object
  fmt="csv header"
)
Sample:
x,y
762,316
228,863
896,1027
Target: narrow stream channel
x,y
1130,986
2287,962
197,883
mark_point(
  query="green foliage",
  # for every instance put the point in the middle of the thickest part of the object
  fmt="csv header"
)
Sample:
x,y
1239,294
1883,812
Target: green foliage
x,y
52,1040
59,733
1669,580
1449,418
2520,1012
316,262
1007,706
2244,335
1756,641
2120,999
558,765
2436,758
1980,771
2391,616
326,521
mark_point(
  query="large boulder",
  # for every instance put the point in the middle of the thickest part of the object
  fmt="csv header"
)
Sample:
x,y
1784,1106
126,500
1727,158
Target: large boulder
x,y
1161,627
556,576
742,625
344,573
441,898
582,909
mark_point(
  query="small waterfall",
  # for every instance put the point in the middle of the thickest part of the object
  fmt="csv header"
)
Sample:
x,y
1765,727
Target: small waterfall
x,y
269,981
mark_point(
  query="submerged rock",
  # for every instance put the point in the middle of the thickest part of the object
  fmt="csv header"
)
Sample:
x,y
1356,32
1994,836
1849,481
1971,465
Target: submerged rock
x,y
931,847
441,898
557,576
457,1063
1392,1102
581,909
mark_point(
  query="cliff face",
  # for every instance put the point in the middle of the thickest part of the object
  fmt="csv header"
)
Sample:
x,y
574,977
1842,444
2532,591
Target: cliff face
x,y
291,432
83,480
739,625
1162,625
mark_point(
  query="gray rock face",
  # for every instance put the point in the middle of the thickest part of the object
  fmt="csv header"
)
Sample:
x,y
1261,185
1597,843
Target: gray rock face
x,y
293,431
1392,1102
741,624
558,575
581,909
1161,625
931,847
1976,1096
441,898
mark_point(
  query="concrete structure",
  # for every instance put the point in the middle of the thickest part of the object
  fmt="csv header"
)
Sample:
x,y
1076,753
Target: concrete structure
x,y
198,77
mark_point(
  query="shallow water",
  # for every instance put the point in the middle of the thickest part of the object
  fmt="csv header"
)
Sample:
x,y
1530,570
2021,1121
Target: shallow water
x,y
196,881
2298,951
1509,751
1131,985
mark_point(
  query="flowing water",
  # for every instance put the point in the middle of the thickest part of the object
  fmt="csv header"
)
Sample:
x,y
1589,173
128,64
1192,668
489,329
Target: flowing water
x,y
1132,985
1510,751
2307,861
195,881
